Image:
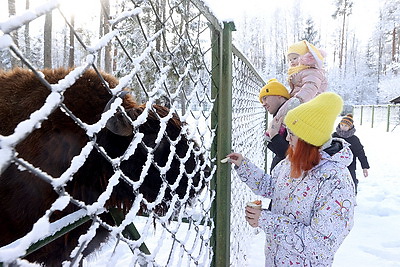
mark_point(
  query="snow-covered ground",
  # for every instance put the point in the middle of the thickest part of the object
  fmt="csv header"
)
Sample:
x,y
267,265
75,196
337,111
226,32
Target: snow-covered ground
x,y
375,238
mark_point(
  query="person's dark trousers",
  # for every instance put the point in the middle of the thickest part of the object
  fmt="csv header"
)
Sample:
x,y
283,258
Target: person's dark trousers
x,y
353,175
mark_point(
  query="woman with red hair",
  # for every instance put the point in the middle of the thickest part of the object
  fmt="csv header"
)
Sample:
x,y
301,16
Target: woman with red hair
x,y
312,191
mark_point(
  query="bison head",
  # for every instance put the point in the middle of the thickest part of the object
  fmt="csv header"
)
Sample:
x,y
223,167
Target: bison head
x,y
145,148
164,163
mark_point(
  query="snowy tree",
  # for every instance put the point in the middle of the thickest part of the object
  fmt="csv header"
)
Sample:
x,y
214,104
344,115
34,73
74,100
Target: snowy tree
x,y
14,35
251,38
391,33
71,55
105,15
295,21
47,46
384,52
310,32
27,33
343,10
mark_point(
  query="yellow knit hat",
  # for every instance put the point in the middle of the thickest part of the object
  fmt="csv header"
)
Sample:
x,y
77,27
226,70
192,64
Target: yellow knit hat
x,y
273,87
303,47
314,120
300,48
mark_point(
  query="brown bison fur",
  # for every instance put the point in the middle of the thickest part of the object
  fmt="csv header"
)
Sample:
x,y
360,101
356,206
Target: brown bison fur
x,y
24,197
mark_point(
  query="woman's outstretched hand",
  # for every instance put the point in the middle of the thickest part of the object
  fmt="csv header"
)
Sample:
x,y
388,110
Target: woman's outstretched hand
x,y
235,158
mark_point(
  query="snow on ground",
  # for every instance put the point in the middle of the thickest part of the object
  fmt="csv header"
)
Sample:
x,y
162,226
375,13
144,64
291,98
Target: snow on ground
x,y
375,237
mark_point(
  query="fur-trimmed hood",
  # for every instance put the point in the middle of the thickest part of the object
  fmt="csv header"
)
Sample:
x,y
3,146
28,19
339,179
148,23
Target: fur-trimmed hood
x,y
338,151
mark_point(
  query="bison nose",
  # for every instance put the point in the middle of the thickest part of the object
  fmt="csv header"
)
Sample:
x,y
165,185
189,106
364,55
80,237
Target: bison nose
x,y
207,171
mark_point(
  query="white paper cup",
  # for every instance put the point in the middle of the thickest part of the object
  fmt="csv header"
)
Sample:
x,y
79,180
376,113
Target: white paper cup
x,y
254,205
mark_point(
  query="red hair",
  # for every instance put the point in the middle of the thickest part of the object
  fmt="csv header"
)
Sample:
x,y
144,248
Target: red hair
x,y
302,158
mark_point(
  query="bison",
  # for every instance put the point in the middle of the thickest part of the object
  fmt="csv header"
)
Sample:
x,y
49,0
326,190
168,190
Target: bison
x,y
25,197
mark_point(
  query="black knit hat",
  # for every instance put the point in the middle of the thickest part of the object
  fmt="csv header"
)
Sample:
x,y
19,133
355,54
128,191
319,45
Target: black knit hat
x,y
348,120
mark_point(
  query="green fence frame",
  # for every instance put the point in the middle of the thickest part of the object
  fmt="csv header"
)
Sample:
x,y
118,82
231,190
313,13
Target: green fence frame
x,y
222,122
362,117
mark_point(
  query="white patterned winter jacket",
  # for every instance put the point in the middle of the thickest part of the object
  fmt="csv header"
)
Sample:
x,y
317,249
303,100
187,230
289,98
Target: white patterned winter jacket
x,y
311,215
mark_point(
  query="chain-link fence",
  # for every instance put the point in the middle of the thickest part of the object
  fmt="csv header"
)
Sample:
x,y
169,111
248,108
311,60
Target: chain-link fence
x,y
119,164
248,128
378,116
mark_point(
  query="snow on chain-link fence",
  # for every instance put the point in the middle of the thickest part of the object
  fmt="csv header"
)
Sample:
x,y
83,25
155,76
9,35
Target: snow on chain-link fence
x,y
378,116
248,128
143,170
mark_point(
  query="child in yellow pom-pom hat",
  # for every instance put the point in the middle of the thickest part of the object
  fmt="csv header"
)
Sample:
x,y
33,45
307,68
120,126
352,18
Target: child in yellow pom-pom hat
x,y
306,78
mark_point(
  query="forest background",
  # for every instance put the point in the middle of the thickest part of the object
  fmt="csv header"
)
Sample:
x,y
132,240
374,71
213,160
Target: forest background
x,y
361,39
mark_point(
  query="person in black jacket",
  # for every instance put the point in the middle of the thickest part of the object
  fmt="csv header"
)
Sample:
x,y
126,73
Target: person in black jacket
x,y
272,96
346,130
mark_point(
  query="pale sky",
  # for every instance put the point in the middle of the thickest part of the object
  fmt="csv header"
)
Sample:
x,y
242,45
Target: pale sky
x,y
365,12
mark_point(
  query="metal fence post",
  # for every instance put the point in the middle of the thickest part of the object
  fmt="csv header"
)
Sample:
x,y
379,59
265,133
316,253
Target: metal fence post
x,y
388,119
216,66
361,115
373,115
222,55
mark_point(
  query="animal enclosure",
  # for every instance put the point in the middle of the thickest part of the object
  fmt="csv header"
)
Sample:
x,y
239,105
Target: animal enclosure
x,y
119,123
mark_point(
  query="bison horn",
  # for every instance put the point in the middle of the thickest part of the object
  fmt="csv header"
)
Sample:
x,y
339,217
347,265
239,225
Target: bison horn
x,y
119,124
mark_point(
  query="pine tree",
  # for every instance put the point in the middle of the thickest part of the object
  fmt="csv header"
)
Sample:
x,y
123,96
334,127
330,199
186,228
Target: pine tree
x,y
343,10
310,33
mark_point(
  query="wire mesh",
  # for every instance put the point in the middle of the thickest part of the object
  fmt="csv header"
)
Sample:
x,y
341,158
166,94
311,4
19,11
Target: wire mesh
x,y
161,51
248,128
